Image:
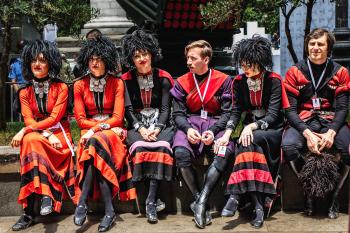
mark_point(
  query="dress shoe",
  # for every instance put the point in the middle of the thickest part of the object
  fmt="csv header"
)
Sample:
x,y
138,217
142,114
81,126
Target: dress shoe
x,y
106,223
23,222
160,205
80,215
259,219
151,212
208,217
333,211
230,208
46,205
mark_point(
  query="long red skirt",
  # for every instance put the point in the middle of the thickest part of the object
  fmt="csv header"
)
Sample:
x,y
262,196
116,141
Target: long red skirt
x,y
46,170
109,156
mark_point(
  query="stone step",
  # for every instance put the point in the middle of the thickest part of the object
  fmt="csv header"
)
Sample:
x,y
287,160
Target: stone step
x,y
71,46
135,223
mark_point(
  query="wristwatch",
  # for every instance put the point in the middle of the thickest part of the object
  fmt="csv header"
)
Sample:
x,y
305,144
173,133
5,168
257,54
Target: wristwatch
x,y
104,126
46,133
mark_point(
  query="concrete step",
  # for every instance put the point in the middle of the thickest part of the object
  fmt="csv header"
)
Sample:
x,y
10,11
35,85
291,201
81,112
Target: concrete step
x,y
135,223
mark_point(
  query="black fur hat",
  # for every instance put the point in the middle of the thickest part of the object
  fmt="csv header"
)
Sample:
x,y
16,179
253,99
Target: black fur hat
x,y
50,52
256,50
139,40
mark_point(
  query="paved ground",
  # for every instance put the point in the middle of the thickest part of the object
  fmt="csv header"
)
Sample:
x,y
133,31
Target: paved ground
x,y
127,223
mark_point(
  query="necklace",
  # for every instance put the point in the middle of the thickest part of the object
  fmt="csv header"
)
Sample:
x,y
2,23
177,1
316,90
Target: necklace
x,y
41,88
97,84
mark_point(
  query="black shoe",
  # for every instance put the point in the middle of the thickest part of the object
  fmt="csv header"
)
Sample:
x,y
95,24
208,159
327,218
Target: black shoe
x,y
259,219
308,211
230,208
151,213
23,222
106,223
160,205
208,217
80,215
46,205
333,211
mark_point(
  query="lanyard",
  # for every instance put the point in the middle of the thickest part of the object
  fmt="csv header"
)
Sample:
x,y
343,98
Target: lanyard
x,y
312,75
206,87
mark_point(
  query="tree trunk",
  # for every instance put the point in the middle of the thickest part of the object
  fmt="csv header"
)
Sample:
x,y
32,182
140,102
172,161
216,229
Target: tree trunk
x,y
308,19
289,36
4,71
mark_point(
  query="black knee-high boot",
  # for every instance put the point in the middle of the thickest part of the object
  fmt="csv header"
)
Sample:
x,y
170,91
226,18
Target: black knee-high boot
x,y
212,176
259,211
190,178
106,193
81,209
333,211
151,205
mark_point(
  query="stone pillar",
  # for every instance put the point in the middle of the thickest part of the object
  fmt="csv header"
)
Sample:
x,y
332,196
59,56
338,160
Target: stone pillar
x,y
111,20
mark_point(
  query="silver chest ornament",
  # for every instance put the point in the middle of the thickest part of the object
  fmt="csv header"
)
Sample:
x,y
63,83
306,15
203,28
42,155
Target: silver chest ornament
x,y
97,84
41,88
145,82
254,84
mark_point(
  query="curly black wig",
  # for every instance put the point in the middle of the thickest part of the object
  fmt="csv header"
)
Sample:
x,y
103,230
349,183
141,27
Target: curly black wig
x,y
319,175
102,47
32,50
139,40
256,50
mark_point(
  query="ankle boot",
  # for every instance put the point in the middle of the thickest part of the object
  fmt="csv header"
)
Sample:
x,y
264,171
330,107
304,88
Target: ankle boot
x,y
308,210
231,206
259,219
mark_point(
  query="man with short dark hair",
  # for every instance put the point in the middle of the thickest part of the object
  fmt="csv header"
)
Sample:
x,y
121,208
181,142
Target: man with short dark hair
x,y
201,110
318,92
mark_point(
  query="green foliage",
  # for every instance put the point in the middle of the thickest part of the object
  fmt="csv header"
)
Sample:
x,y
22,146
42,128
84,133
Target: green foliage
x,y
70,15
265,12
13,127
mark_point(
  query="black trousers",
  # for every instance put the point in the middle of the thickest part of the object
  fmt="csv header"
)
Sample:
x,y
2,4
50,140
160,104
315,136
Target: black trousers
x,y
293,142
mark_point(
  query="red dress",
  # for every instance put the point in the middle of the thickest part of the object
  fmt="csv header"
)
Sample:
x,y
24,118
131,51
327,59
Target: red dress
x,y
45,170
107,149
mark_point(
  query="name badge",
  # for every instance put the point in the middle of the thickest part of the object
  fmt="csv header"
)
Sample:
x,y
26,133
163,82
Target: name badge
x,y
222,151
316,103
204,114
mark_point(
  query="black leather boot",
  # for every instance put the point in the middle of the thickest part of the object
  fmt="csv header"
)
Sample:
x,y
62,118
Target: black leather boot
x,y
231,206
211,178
333,211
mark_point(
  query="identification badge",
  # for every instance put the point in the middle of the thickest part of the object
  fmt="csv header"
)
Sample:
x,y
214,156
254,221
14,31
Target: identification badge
x,y
222,151
204,114
316,103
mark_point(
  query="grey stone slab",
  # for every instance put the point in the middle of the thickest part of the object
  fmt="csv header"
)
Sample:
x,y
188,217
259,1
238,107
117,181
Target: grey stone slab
x,y
279,222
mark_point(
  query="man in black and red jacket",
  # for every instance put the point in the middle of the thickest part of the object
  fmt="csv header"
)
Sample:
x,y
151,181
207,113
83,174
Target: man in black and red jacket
x,y
318,93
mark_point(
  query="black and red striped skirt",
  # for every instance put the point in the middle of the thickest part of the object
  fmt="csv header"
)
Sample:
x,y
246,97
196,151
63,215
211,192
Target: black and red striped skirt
x,y
151,160
109,156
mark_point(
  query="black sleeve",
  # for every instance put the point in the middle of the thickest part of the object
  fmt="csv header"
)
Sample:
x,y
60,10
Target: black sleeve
x,y
274,107
226,107
180,115
292,114
165,106
341,111
129,111
236,107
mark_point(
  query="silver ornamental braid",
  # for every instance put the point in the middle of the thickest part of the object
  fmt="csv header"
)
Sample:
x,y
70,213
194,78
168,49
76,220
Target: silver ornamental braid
x,y
97,84
41,88
145,82
254,84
